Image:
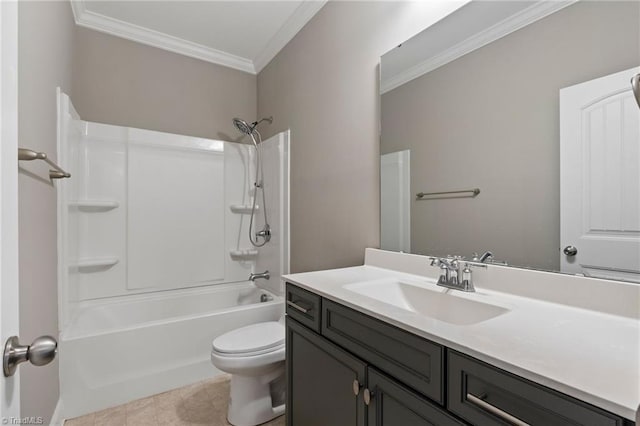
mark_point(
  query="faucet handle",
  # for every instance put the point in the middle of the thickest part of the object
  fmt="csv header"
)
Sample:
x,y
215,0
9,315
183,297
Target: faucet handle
x,y
466,279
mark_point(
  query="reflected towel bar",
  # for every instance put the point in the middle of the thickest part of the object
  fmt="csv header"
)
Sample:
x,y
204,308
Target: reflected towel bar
x,y
472,193
30,155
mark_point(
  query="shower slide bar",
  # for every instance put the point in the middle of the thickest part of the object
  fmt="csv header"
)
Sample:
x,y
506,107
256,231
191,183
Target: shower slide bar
x,y
471,193
25,154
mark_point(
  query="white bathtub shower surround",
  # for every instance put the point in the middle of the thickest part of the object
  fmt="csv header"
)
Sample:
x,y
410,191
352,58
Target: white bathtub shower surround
x,y
154,256
150,211
117,351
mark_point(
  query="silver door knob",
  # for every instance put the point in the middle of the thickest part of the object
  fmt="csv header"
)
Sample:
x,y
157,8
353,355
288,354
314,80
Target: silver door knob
x,y
570,251
41,352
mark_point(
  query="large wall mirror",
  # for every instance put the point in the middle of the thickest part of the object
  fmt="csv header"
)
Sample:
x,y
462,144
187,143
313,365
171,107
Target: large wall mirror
x,y
527,109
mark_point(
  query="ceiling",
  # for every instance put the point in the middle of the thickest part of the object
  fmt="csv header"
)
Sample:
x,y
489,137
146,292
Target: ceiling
x,y
244,35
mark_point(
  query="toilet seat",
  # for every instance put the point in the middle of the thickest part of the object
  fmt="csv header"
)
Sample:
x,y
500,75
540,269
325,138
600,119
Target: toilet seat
x,y
254,339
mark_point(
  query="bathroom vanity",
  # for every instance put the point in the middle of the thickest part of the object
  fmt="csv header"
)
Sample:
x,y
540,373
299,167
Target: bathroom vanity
x,y
381,344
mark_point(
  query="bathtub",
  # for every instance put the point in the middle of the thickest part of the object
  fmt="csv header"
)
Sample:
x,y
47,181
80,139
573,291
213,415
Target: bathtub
x,y
116,351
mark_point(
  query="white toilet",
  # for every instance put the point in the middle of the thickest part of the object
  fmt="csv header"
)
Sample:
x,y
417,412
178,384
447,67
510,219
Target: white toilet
x,y
254,356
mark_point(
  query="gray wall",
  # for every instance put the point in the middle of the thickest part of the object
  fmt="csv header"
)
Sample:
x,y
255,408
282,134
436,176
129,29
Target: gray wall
x,y
491,120
117,81
324,86
45,39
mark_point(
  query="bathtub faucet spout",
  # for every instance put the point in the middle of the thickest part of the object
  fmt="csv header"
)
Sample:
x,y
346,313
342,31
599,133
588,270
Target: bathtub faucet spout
x,y
265,275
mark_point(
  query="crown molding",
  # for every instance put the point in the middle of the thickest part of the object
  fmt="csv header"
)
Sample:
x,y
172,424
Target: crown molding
x,y
118,28
285,34
503,28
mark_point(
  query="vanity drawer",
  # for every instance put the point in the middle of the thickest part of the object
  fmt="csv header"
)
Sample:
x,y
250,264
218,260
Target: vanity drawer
x,y
410,359
484,395
304,306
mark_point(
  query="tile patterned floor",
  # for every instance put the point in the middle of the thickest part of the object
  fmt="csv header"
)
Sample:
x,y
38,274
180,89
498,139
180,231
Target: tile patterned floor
x,y
203,403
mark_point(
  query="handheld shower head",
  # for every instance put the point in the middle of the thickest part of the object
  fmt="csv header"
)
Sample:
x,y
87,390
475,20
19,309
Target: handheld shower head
x,y
250,130
247,128
242,126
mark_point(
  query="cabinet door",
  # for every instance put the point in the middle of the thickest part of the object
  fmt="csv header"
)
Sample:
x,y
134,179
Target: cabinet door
x,y
393,404
320,380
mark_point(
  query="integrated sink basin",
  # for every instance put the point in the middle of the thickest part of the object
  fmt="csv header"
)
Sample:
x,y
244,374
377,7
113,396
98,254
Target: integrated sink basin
x,y
433,303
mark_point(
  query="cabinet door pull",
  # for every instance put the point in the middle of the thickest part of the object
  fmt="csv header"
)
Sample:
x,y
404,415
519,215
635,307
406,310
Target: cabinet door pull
x,y
356,387
367,395
503,415
298,307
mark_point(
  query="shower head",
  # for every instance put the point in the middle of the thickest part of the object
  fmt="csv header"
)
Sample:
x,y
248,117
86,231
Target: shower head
x,y
247,128
243,126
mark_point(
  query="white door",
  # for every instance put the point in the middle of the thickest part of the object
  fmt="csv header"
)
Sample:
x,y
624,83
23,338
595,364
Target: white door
x,y
395,201
9,387
600,178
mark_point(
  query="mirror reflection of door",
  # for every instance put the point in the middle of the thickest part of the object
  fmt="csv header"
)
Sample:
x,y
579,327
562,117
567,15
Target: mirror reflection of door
x,y
600,178
395,201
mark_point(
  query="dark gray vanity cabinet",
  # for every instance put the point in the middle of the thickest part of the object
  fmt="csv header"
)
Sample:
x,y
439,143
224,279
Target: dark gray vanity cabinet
x,y
321,379
406,357
393,404
485,395
345,368
336,378
328,386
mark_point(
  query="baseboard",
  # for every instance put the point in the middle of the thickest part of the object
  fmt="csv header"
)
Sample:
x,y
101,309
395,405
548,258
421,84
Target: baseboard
x,y
56,417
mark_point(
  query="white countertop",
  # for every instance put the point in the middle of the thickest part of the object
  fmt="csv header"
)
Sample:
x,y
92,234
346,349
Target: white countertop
x,y
590,355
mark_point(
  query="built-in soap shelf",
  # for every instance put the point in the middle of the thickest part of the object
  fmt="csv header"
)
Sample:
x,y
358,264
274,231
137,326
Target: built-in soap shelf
x,y
88,264
95,205
242,209
246,254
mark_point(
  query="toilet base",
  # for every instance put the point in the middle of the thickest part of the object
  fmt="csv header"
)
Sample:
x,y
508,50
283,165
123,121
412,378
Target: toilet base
x,y
250,399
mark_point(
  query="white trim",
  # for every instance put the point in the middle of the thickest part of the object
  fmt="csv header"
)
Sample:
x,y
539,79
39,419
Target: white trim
x,y
78,8
503,28
289,29
118,28
56,417
9,271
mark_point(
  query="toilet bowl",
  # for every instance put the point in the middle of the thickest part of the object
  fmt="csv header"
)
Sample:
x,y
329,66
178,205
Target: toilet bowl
x,y
254,356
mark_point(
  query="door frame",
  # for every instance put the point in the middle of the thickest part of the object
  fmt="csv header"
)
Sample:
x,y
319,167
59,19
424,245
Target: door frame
x,y
9,287
403,160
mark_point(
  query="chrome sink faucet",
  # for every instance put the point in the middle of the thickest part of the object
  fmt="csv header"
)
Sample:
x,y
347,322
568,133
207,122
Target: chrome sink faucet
x,y
484,258
265,275
454,275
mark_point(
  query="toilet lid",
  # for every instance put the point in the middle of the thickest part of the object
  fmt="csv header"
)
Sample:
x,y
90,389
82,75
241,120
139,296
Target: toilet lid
x,y
252,338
